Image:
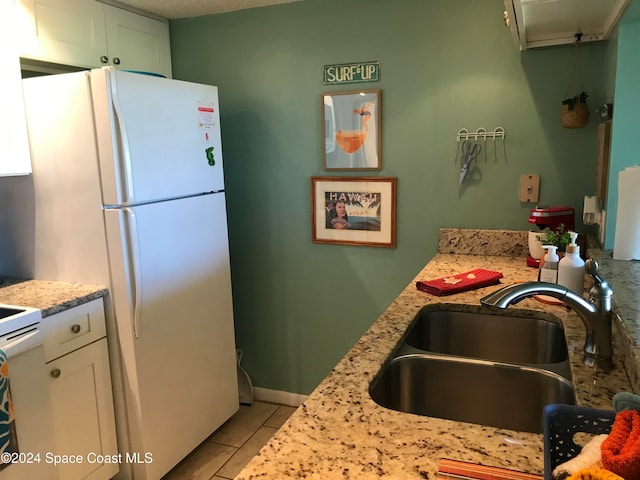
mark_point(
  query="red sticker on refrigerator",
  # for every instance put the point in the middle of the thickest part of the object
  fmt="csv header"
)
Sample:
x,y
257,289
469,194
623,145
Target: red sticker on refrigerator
x,y
206,117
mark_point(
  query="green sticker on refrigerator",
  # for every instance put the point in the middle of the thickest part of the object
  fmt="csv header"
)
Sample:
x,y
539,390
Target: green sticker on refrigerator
x,y
210,159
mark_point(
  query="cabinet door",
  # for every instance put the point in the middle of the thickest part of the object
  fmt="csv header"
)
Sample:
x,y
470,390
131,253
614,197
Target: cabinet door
x,y
136,42
82,408
69,32
14,144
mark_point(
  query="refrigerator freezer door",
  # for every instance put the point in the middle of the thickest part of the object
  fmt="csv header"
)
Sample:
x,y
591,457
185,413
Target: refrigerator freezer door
x,y
180,367
157,138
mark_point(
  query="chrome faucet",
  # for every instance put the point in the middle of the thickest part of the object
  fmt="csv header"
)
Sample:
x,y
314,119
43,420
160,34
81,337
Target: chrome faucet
x,y
596,313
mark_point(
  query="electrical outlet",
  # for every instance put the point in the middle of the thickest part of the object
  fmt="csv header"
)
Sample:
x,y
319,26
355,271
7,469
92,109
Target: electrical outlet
x,y
529,188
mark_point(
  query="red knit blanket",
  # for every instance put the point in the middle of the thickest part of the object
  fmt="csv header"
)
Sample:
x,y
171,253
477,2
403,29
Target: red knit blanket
x,y
621,449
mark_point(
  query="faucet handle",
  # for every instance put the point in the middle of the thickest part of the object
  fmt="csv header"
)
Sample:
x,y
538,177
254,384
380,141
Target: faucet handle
x,y
591,267
600,288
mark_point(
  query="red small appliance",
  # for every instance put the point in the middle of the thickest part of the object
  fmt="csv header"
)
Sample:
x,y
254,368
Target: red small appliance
x,y
552,218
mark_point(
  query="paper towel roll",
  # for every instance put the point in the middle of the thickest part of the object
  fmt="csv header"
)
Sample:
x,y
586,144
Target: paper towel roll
x,y
626,245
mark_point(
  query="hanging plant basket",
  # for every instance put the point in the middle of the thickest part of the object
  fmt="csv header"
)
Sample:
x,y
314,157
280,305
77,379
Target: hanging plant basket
x,y
576,117
574,112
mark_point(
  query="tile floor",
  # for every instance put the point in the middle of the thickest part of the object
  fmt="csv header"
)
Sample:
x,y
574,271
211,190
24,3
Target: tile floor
x,y
234,444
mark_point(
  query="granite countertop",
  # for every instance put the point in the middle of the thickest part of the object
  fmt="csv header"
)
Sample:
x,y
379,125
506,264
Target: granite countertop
x,y
50,297
339,432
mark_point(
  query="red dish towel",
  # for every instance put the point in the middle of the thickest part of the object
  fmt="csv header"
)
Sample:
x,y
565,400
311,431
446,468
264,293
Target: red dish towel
x,y
459,283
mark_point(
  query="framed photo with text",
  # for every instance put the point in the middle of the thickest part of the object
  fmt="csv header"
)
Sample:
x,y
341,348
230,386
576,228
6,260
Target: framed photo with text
x,y
351,130
354,210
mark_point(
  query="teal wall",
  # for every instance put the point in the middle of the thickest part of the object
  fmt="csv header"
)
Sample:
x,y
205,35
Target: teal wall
x,y
445,65
626,112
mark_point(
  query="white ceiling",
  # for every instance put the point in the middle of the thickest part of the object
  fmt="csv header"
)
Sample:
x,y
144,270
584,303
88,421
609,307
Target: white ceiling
x,y
193,8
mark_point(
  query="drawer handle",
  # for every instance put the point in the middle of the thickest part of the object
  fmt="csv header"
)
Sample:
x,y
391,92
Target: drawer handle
x,y
76,328
55,373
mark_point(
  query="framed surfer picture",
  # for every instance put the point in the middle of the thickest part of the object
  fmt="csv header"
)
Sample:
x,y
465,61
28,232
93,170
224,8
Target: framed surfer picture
x,y
354,210
351,130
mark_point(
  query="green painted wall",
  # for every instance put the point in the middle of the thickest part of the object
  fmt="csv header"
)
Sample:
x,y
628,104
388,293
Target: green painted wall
x,y
626,116
445,65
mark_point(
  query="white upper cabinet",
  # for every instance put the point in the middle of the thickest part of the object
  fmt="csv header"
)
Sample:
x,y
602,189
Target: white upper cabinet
x,y
90,34
136,42
69,32
14,144
541,23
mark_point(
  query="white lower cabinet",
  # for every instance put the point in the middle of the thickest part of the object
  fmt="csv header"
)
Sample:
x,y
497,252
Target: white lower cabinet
x,y
81,394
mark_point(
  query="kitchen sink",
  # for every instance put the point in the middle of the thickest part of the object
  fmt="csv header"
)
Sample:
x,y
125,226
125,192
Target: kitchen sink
x,y
477,367
470,390
501,338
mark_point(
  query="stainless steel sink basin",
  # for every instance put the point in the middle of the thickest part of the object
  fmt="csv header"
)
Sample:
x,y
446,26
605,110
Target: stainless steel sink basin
x,y
500,338
469,390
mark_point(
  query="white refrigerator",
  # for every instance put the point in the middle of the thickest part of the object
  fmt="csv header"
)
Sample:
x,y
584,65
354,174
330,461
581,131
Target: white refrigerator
x,y
128,191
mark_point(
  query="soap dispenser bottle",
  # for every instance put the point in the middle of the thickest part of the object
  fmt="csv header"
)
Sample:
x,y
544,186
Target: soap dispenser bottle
x,y
549,270
571,267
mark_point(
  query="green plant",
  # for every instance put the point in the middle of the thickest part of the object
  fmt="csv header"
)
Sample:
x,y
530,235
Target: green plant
x,y
572,101
560,237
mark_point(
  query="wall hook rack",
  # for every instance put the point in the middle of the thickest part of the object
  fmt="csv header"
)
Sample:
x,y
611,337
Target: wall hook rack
x,y
464,134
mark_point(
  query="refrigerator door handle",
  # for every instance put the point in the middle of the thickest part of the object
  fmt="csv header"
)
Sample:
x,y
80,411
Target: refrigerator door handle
x,y
136,277
124,167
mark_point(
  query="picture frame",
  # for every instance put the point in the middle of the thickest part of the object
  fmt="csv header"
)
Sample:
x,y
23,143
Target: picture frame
x,y
351,130
354,210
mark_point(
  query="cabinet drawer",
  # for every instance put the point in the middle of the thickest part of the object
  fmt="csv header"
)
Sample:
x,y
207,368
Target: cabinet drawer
x,y
73,328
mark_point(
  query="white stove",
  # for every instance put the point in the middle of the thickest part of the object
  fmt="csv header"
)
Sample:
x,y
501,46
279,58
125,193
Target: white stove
x,y
29,438
16,319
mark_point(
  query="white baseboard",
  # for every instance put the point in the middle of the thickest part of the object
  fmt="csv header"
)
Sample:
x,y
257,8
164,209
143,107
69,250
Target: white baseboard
x,y
278,396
